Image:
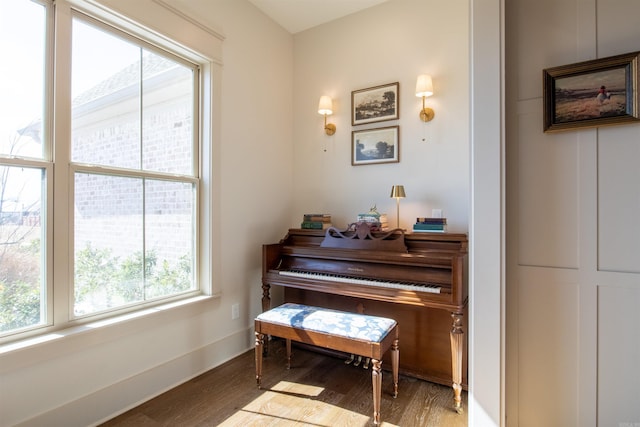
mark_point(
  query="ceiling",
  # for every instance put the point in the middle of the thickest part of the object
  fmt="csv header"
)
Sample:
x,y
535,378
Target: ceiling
x,y
299,15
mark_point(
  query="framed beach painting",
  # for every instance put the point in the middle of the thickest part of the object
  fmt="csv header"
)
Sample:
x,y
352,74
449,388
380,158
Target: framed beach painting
x,y
592,93
371,146
375,104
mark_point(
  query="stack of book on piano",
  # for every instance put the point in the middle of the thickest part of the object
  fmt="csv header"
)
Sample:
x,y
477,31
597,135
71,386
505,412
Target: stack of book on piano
x,y
430,225
376,221
316,221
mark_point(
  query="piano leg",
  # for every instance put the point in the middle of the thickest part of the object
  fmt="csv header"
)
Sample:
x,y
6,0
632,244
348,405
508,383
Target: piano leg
x,y
266,297
457,344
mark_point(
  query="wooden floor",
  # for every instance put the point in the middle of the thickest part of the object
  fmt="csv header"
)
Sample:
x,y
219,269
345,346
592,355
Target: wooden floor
x,y
317,391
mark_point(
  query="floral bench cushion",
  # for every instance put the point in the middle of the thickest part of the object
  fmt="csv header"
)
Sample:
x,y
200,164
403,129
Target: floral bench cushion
x,y
350,325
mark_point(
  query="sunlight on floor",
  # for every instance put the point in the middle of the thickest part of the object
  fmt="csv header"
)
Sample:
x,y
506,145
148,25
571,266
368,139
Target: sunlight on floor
x,y
294,388
293,404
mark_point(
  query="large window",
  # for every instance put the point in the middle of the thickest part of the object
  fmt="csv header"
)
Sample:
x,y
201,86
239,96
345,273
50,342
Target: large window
x,y
130,157
132,154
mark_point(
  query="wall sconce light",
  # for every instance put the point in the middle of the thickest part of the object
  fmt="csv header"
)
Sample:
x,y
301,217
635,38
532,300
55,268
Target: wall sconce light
x,y
325,108
424,88
397,192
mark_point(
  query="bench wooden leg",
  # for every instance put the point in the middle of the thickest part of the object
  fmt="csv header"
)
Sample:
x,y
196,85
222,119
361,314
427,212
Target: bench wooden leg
x,y
288,353
376,377
395,362
259,344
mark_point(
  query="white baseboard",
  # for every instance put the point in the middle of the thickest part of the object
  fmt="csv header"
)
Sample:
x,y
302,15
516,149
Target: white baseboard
x,y
98,407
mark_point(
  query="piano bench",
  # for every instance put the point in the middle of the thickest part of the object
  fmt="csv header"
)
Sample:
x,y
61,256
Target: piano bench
x,y
359,334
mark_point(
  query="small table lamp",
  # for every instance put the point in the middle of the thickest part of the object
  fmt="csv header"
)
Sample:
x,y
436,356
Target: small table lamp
x,y
397,192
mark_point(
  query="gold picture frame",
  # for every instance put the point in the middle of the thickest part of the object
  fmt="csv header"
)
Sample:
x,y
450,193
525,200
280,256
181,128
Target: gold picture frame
x,y
593,93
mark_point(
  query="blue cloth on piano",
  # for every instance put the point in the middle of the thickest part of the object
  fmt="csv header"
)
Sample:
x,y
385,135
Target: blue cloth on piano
x,y
350,325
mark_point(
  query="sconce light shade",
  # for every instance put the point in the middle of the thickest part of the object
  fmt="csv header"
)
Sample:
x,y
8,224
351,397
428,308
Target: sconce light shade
x,y
424,88
325,107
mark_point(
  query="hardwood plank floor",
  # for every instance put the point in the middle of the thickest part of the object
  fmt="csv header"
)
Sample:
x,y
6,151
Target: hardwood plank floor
x,y
318,391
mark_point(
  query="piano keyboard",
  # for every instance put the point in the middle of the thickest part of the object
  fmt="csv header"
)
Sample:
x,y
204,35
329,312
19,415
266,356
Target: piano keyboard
x,y
434,289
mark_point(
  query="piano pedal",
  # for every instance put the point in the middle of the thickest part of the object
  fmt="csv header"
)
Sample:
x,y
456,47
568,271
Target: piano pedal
x,y
365,365
358,361
349,360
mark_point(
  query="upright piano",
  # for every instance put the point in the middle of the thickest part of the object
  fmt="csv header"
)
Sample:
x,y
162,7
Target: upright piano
x,y
418,279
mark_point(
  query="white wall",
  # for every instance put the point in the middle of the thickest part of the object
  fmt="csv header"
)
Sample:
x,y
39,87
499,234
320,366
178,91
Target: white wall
x,y
83,376
392,42
573,282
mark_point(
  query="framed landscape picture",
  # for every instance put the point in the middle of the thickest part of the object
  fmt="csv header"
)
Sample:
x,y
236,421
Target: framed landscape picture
x,y
591,93
375,104
372,146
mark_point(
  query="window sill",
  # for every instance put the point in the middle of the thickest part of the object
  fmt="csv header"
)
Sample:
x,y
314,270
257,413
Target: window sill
x,y
109,328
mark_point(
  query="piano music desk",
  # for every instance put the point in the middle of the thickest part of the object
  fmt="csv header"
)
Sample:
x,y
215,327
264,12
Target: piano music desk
x,y
359,334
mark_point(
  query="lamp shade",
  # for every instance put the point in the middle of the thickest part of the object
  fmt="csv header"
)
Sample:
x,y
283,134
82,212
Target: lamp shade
x,y
424,86
325,105
397,192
